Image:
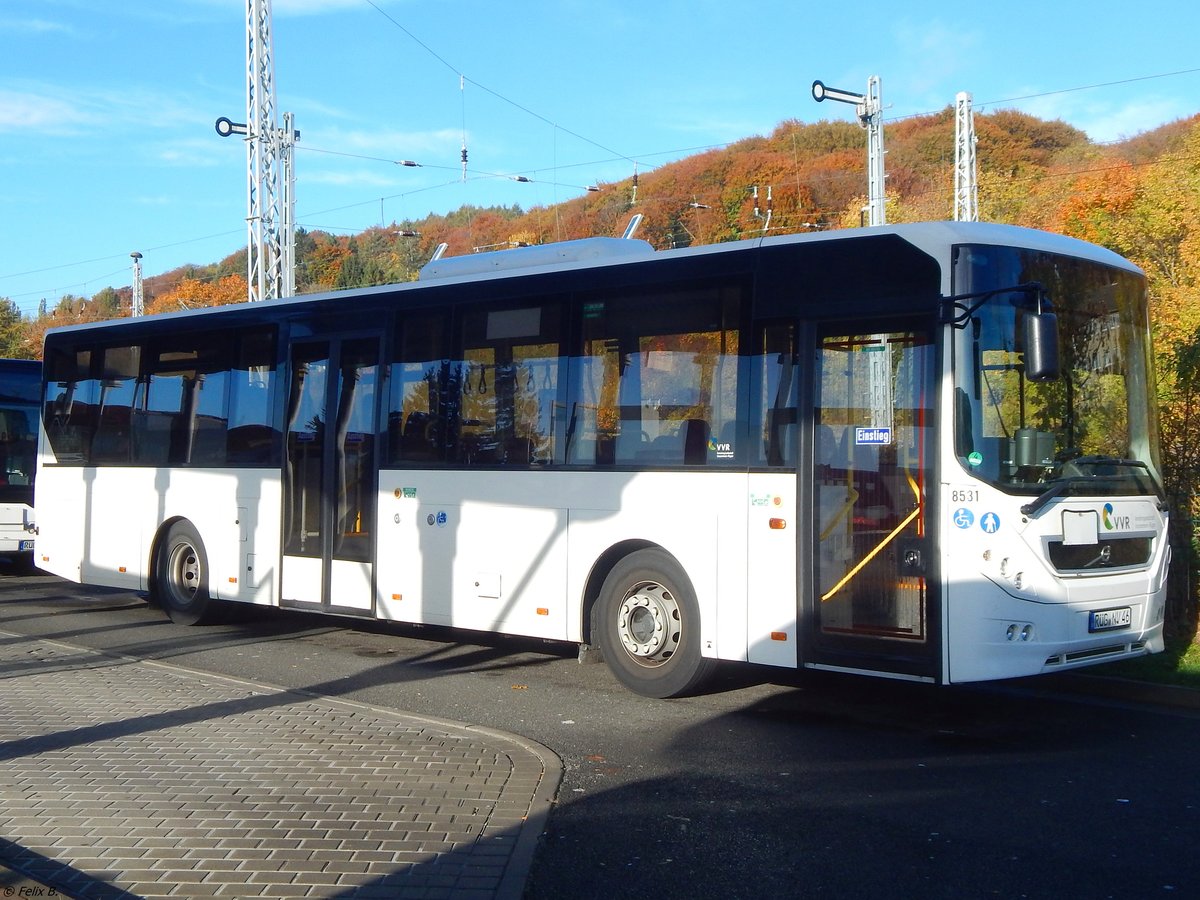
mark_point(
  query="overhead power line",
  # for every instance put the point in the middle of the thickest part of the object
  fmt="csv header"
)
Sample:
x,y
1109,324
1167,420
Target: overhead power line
x,y
1070,90
463,77
1088,87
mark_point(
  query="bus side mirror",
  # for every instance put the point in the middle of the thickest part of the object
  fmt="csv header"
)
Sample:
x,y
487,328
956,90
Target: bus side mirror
x,y
1041,346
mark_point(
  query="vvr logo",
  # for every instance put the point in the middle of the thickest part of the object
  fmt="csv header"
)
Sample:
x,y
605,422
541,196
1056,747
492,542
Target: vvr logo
x,y
1111,522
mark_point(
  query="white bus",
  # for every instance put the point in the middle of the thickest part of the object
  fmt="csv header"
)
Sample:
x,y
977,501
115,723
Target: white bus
x,y
923,452
20,410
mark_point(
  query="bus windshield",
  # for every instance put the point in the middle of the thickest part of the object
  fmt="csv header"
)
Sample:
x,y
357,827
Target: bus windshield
x,y
20,382
1092,430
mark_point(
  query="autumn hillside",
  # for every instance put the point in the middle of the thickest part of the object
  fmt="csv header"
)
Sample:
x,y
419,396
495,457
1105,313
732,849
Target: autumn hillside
x,y
1131,196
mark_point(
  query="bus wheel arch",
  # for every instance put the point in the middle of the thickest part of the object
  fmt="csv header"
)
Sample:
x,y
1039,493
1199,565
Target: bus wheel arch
x,y
179,573
645,617
153,588
595,583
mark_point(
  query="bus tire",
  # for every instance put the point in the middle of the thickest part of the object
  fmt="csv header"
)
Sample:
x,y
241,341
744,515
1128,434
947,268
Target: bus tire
x,y
648,626
181,576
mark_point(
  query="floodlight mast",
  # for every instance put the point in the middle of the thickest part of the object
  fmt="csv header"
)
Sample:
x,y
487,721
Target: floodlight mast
x,y
869,107
137,305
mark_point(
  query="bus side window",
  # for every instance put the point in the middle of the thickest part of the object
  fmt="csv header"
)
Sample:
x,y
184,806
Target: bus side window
x,y
113,440
658,378
181,415
592,420
778,395
210,428
508,364
70,405
253,438
157,420
419,395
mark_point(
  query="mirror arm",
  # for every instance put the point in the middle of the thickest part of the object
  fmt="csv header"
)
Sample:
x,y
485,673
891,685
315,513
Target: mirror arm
x,y
957,311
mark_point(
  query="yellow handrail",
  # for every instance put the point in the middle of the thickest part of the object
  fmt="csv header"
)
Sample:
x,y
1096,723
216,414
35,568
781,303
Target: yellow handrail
x,y
870,556
841,513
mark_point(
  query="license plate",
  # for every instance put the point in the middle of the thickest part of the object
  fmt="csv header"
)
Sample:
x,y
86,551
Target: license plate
x,y
1108,619
26,545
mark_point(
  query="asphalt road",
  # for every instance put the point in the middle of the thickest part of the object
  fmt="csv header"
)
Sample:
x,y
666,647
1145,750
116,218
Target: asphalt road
x,y
817,786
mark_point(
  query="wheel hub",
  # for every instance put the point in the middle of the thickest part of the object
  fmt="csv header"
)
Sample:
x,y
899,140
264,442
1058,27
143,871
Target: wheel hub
x,y
648,624
185,573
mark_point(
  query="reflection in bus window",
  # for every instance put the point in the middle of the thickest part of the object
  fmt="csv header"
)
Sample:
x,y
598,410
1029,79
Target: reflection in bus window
x,y
354,451
417,402
20,382
657,381
202,399
507,377
253,439
779,392
118,383
872,443
70,403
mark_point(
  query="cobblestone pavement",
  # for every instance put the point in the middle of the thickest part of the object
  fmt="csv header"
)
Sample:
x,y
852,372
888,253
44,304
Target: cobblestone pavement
x,y
127,778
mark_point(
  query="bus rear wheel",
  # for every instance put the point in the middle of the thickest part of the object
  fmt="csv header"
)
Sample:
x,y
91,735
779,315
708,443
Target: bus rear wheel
x,y
181,576
648,624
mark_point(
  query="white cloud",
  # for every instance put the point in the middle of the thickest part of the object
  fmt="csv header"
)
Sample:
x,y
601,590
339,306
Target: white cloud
x,y
33,26
40,112
55,109
1127,121
195,153
1102,120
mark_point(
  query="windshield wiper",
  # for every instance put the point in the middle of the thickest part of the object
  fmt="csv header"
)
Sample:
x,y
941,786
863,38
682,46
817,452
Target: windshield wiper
x,y
1061,484
1033,507
1109,461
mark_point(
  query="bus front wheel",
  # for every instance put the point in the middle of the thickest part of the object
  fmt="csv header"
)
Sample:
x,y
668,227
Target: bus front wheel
x,y
648,624
181,576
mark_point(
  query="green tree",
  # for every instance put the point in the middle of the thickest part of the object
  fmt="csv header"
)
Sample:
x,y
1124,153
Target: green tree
x,y
13,334
107,303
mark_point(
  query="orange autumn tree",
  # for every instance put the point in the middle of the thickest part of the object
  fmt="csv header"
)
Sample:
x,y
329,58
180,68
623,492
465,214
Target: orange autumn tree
x,y
1161,232
1150,213
194,293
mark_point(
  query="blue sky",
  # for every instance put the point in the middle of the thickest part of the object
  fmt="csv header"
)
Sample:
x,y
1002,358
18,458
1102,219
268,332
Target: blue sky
x,y
107,110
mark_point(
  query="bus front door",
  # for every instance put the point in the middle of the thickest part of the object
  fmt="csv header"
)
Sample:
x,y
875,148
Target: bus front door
x,y
329,475
871,589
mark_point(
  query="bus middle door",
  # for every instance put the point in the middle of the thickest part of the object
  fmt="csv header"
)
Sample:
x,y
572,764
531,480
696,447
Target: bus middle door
x,y
329,475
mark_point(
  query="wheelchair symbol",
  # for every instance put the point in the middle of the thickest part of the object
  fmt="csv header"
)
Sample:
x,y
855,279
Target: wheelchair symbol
x,y
964,518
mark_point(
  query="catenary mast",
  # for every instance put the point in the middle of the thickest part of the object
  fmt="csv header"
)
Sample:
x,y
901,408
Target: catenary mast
x,y
270,175
966,188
